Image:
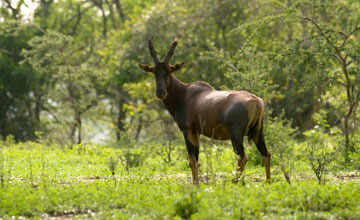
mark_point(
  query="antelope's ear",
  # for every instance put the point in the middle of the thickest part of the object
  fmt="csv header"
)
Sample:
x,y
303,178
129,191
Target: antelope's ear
x,y
177,67
146,68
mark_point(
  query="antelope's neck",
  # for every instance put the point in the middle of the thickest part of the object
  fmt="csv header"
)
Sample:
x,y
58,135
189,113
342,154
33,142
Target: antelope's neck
x,y
175,94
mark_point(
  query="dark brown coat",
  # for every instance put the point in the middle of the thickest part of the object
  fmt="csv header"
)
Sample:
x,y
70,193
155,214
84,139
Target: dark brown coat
x,y
200,109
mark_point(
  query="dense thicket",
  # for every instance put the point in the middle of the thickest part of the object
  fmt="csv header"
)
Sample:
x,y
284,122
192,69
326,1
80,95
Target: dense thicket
x,y
68,69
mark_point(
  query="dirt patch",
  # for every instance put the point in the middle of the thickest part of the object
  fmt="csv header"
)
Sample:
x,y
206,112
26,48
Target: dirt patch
x,y
69,215
349,177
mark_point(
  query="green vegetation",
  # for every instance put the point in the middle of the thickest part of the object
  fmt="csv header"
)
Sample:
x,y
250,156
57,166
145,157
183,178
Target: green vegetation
x,y
55,181
82,134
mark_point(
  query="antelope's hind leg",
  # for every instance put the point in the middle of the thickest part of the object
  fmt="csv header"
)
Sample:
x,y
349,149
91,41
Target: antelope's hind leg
x,y
261,146
237,137
192,146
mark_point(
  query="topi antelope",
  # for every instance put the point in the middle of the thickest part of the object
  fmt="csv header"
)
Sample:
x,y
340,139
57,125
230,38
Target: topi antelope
x,y
200,109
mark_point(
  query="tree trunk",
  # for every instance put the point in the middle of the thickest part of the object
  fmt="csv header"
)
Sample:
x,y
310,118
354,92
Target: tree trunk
x,y
104,21
120,10
120,119
79,127
113,20
45,12
347,139
3,126
72,133
78,20
99,4
38,107
139,127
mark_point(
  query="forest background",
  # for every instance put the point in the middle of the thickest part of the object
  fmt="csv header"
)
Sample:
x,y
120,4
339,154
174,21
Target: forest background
x,y
69,69
69,76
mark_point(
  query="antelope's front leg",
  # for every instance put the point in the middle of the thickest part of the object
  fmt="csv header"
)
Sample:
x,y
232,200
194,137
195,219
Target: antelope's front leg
x,y
192,146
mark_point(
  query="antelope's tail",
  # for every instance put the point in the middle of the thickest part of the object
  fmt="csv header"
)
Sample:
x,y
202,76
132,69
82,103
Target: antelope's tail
x,y
254,133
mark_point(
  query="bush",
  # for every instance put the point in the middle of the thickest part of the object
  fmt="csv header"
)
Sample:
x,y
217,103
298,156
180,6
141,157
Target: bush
x,y
280,140
187,205
132,158
321,153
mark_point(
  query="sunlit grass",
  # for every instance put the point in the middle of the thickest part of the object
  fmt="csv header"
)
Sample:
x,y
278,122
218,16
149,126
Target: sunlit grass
x,y
77,182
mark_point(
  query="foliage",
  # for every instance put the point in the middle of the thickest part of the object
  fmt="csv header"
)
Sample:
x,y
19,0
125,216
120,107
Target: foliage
x,y
131,154
321,153
2,169
186,206
72,75
279,137
112,164
246,70
17,84
79,186
69,76
290,53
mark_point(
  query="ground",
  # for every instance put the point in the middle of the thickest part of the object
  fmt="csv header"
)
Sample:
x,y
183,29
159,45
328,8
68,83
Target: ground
x,y
57,182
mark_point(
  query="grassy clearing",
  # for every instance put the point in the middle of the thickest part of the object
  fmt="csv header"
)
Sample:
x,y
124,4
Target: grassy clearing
x,y
77,183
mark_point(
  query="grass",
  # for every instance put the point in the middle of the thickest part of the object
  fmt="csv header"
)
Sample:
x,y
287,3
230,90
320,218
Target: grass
x,y
59,182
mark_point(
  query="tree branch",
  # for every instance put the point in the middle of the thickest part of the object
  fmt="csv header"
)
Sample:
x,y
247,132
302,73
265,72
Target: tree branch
x,y
347,36
324,35
78,14
77,21
314,10
15,11
120,10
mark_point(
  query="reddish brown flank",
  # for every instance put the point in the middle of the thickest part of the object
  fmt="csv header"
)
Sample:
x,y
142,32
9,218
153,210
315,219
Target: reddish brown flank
x,y
200,109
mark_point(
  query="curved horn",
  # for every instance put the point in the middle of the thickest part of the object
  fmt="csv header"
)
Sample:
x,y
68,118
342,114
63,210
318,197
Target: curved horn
x,y
170,52
152,51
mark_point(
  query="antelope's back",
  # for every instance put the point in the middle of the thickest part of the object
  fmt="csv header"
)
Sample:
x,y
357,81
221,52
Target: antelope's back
x,y
212,111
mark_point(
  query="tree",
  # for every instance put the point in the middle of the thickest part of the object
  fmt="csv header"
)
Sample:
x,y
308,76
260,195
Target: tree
x,y
19,109
74,77
320,53
339,43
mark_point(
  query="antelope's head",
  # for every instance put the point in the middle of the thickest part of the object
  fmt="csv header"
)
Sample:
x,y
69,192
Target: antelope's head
x,y
162,69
